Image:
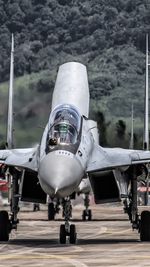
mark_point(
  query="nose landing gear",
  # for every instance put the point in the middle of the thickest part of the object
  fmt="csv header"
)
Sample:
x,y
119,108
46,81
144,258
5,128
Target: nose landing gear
x,y
67,229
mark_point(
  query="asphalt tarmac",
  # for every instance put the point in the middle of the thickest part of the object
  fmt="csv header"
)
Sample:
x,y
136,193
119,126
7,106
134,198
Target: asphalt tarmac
x,y
108,240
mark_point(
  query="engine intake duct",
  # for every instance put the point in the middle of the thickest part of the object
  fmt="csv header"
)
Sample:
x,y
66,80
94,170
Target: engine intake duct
x,y
31,190
105,187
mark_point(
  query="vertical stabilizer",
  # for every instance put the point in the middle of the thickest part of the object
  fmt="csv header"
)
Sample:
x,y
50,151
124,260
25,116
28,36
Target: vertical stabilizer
x,y
10,129
71,87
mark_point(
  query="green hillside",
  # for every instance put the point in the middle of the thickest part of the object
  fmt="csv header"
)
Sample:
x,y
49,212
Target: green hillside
x,y
107,36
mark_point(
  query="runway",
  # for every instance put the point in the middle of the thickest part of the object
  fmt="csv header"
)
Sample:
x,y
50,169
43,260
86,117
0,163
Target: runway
x,y
108,240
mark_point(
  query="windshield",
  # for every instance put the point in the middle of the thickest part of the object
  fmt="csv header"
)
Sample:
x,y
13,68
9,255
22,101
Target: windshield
x,y
64,125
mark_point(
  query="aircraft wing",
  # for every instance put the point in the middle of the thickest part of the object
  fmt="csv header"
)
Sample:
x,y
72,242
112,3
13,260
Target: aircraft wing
x,y
111,158
23,158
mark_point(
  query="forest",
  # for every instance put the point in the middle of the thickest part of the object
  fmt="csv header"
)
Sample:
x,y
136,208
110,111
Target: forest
x,y
107,36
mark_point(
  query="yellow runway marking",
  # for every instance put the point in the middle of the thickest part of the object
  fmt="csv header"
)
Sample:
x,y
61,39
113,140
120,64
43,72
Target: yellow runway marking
x,y
67,258
100,232
24,257
119,232
105,230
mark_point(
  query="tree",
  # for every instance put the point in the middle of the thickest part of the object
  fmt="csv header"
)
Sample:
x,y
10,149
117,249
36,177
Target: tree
x,y
121,129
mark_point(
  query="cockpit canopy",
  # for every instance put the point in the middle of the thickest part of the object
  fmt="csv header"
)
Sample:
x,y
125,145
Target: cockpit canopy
x,y
64,125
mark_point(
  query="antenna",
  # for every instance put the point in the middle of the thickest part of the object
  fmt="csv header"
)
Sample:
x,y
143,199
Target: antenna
x,y
146,115
10,129
132,129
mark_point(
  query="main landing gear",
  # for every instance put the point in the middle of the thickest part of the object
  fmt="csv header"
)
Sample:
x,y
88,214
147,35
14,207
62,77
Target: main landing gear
x,y
87,213
141,223
67,229
6,223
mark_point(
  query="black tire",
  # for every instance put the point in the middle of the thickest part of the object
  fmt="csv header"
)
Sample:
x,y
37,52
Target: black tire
x,y
84,215
73,234
62,236
36,207
4,226
51,212
145,226
89,215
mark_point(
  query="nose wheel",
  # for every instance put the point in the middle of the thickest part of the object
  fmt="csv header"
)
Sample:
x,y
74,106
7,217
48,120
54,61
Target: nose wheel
x,y
62,235
67,229
71,234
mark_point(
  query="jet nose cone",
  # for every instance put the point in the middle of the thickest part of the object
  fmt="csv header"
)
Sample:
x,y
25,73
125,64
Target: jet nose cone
x,y
60,173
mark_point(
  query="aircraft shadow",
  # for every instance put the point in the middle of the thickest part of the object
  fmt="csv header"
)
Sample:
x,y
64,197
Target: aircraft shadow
x,y
105,241
97,220
47,243
31,219
77,220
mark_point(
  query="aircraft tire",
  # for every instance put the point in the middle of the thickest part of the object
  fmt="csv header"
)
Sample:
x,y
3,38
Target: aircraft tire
x,y
84,215
51,211
73,234
4,226
89,215
62,236
145,226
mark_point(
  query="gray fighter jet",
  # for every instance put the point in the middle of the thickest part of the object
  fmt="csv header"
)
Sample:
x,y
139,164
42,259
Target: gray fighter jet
x,y
66,154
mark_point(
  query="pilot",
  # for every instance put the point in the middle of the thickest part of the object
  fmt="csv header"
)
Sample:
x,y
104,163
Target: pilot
x,y
52,142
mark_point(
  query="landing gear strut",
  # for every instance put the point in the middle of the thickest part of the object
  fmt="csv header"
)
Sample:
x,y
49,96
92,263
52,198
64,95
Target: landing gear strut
x,y
87,213
14,199
67,229
130,205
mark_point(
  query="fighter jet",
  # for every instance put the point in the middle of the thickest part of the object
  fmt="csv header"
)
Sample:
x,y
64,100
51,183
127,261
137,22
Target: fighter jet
x,y
66,154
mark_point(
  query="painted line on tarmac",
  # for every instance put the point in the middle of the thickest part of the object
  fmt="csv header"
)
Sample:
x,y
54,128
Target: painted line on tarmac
x,y
105,230
102,231
67,249
32,234
67,259
36,256
118,232
76,263
3,246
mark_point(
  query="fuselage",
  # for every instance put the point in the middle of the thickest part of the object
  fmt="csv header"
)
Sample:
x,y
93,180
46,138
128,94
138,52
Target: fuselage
x,y
67,140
